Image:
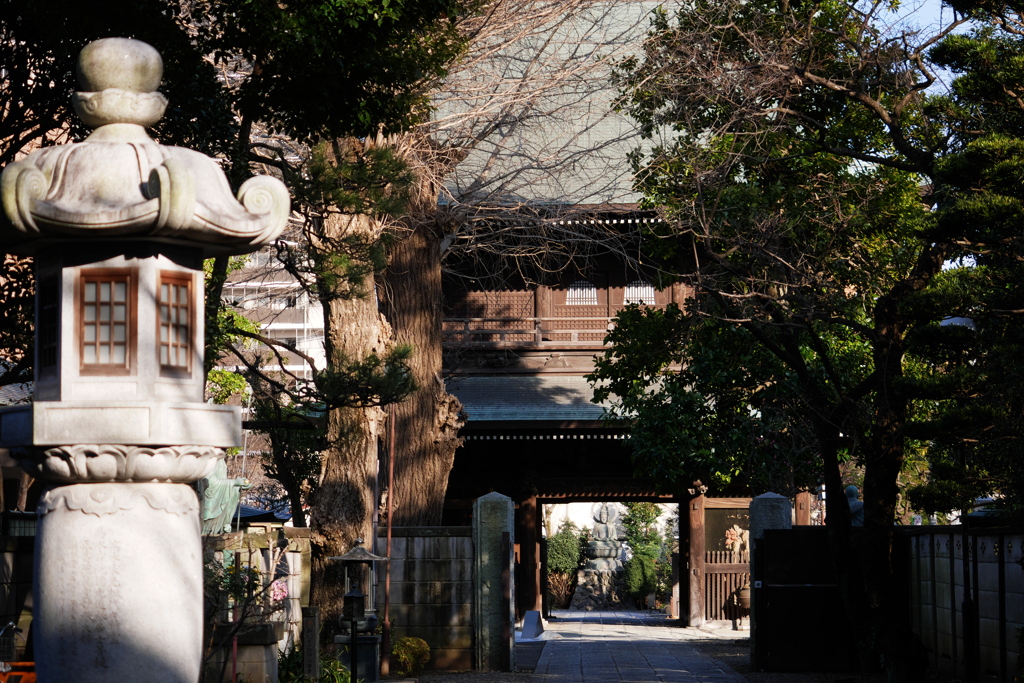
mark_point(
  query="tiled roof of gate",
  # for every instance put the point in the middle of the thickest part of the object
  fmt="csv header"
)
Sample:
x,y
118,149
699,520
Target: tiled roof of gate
x,y
14,394
523,399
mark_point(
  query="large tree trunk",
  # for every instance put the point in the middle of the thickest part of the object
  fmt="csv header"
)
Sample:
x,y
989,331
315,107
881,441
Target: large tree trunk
x,y
890,633
344,503
428,422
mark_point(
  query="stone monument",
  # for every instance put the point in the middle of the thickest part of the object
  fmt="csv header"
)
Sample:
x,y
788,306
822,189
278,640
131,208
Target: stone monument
x,y
494,600
599,583
119,227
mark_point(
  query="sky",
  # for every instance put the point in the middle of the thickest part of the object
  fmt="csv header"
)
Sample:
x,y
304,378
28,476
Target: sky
x,y
928,16
925,13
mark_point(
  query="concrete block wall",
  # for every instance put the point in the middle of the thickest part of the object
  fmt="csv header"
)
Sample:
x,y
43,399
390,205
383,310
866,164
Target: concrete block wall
x,y
432,591
939,559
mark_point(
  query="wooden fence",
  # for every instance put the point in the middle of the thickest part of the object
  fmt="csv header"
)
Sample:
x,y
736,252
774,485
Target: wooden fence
x,y
966,600
725,573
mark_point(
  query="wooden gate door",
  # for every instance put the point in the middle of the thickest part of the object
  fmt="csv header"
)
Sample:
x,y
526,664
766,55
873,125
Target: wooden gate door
x,y
719,560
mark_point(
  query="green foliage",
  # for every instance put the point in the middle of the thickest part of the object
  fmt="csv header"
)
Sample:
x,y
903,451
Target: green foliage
x,y
564,556
642,533
359,178
297,442
663,575
372,381
289,666
290,662
411,655
976,445
815,335
976,441
799,140
222,385
640,575
989,69
723,416
325,69
224,326
229,585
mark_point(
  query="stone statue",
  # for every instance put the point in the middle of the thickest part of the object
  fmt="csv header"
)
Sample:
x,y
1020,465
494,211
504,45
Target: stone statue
x,y
220,496
604,529
599,582
856,506
603,550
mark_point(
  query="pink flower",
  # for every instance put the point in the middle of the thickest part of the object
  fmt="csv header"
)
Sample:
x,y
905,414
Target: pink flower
x,y
279,590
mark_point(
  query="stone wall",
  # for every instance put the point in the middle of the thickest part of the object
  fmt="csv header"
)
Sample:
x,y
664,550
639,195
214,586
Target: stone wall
x,y
598,590
432,591
960,636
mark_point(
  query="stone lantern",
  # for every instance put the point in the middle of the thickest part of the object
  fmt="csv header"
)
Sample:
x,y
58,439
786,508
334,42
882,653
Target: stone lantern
x,y
363,651
119,227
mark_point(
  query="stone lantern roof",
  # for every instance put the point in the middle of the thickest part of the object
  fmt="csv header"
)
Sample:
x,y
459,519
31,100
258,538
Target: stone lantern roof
x,y
119,185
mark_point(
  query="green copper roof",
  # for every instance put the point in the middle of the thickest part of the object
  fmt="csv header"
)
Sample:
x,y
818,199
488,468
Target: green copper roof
x,y
526,399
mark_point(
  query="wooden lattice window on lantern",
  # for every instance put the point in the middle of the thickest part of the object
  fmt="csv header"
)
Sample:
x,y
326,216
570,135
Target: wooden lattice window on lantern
x,y
175,322
106,330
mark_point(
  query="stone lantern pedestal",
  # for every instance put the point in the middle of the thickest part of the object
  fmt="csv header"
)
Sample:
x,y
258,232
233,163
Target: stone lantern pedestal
x,y
119,227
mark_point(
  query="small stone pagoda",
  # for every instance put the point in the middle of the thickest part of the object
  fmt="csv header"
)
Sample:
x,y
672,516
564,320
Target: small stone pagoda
x,y
119,227
599,583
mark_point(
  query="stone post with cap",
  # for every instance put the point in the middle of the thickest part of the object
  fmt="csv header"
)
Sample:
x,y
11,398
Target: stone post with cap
x,y
119,226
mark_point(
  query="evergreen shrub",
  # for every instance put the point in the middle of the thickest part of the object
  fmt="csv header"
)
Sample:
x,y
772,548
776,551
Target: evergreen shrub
x,y
564,550
411,655
565,557
640,576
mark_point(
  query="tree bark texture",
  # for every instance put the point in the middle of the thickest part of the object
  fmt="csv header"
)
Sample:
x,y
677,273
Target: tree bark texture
x,y
344,503
428,422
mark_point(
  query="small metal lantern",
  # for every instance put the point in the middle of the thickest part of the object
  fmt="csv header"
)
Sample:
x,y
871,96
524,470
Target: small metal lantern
x,y
353,611
354,605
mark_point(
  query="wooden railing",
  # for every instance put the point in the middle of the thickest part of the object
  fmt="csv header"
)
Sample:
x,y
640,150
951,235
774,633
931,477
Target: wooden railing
x,y
725,573
526,331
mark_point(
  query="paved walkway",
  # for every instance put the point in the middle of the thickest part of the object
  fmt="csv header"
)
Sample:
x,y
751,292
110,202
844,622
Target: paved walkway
x,y
624,647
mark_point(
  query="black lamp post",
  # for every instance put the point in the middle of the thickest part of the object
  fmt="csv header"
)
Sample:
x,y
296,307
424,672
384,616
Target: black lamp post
x,y
353,610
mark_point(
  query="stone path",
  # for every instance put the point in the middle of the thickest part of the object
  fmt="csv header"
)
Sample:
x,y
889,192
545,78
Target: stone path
x,y
624,647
